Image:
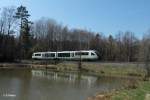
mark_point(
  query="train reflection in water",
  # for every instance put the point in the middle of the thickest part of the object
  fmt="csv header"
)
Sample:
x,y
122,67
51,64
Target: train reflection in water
x,y
68,77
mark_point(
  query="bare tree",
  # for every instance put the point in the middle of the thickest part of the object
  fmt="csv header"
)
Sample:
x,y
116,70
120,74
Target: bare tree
x,y
145,52
8,22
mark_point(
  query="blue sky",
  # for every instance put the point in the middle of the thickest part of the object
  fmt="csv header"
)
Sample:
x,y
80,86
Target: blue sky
x,y
107,16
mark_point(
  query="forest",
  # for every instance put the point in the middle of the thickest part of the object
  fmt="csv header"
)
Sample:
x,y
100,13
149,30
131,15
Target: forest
x,y
20,37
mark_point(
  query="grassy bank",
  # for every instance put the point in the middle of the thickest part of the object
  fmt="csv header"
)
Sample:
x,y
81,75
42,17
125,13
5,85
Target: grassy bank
x,y
116,69
140,93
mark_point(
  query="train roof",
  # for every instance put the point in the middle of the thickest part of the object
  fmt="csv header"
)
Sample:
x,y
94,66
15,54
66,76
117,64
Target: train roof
x,y
67,51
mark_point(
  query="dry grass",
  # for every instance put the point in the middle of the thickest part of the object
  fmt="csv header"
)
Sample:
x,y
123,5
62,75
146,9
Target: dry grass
x,y
116,69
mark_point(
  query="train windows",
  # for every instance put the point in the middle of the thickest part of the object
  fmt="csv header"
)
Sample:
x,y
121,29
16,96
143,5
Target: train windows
x,y
38,54
92,54
46,55
72,54
52,54
63,54
49,54
82,53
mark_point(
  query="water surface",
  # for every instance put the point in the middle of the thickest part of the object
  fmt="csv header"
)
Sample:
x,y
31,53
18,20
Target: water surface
x,y
25,84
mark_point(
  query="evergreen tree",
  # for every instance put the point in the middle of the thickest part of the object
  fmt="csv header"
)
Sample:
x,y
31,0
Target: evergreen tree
x,y
24,41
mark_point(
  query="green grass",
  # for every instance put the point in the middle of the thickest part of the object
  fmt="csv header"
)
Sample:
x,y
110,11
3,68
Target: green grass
x,y
133,94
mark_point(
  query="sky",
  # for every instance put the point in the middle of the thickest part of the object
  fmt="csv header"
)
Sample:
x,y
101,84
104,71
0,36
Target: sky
x,y
106,16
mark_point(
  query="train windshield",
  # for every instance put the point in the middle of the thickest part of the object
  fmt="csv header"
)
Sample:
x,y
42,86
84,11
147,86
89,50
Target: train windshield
x,y
92,54
97,53
38,54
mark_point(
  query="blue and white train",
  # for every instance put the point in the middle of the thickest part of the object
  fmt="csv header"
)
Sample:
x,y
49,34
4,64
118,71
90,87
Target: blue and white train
x,y
66,55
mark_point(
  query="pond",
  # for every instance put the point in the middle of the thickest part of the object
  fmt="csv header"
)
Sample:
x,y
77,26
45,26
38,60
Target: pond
x,y
25,84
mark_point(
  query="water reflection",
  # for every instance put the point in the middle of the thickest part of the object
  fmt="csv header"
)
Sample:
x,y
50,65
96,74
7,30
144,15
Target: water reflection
x,y
65,77
48,85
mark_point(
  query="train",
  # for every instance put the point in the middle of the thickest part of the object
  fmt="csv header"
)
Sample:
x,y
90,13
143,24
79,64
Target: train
x,y
66,55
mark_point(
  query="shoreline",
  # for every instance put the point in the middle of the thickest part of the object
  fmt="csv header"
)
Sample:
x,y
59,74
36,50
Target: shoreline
x,y
102,69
